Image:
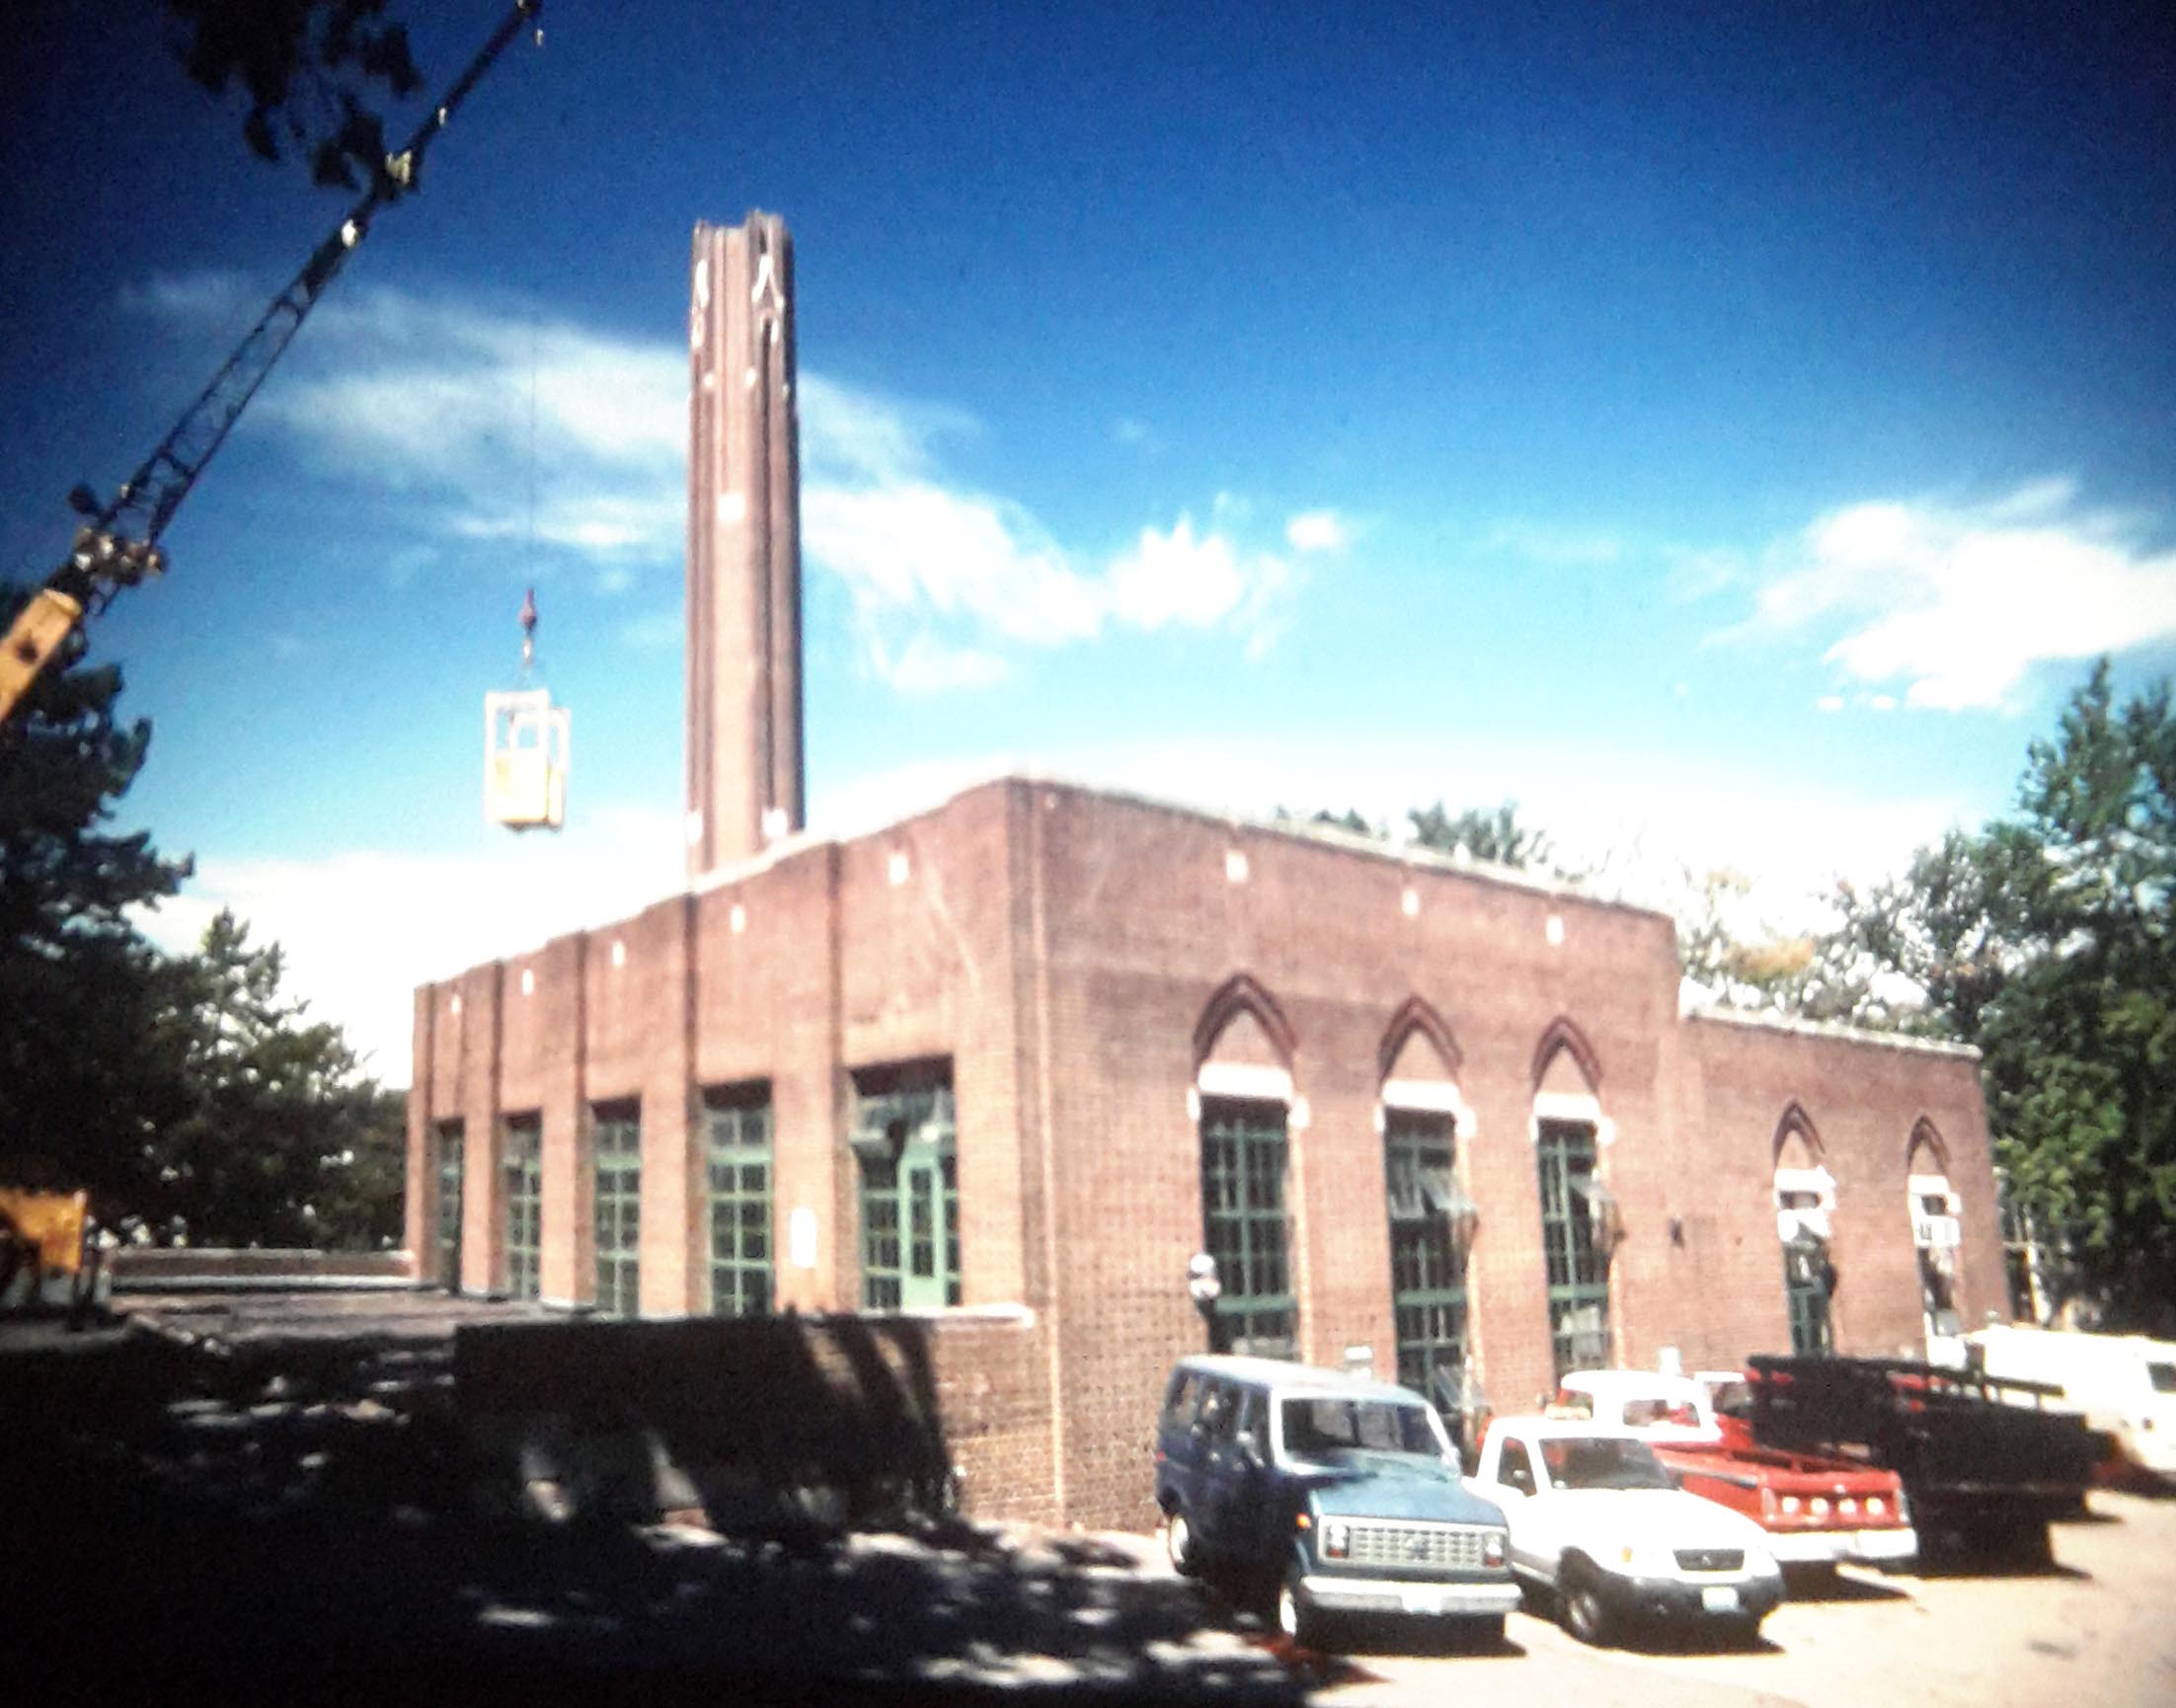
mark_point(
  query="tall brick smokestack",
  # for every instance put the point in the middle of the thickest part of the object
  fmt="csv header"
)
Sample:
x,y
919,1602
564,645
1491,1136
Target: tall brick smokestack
x,y
744,545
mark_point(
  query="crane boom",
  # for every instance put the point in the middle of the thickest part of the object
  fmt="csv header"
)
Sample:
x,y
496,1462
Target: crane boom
x,y
117,544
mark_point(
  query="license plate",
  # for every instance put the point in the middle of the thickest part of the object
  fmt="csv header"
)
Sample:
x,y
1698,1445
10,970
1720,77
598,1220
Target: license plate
x,y
1424,1600
1722,1598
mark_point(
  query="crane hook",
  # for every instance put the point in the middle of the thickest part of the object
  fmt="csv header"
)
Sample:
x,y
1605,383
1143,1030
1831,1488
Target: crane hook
x,y
528,629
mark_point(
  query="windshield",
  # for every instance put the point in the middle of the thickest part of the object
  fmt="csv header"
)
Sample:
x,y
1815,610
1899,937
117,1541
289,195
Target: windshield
x,y
1602,1462
1328,1424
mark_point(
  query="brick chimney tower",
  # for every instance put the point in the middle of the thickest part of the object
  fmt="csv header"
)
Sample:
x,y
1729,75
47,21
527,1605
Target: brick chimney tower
x,y
744,545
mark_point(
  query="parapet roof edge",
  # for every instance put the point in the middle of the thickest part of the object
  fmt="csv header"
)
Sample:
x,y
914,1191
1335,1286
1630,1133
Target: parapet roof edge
x,y
1837,1029
1406,854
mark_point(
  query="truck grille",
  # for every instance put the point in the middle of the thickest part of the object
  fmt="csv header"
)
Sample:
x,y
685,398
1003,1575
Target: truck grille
x,y
1443,1546
1711,1559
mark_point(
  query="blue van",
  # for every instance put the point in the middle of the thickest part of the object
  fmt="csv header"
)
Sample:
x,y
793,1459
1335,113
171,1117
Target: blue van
x,y
1346,1491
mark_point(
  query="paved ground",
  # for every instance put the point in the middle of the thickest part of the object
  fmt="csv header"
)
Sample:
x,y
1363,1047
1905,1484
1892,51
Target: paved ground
x,y
2100,1630
277,1508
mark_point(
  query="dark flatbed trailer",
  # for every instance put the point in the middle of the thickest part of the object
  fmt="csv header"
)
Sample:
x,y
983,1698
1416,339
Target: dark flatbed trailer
x,y
1983,1462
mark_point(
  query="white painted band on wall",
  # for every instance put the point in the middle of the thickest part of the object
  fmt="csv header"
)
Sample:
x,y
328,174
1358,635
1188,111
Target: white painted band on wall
x,y
1244,1079
1567,1106
1434,1097
1815,1180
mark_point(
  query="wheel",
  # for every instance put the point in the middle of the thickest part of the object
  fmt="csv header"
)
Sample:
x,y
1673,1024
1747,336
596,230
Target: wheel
x,y
1179,1546
1296,1617
1584,1615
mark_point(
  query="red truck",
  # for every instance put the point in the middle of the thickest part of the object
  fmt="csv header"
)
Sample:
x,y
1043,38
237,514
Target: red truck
x,y
1815,1510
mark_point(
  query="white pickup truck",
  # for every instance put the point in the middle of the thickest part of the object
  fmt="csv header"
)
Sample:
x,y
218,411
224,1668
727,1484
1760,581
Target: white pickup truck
x,y
1599,1527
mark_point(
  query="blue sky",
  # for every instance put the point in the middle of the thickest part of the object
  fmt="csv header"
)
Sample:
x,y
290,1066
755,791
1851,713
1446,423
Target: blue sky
x,y
1729,431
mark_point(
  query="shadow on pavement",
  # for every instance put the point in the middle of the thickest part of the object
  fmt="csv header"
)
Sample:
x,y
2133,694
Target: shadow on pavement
x,y
293,1523
1820,1585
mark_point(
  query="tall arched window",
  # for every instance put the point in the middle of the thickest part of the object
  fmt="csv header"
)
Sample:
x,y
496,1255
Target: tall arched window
x,y
1936,1232
1805,1205
1579,1215
1243,1086
1423,1120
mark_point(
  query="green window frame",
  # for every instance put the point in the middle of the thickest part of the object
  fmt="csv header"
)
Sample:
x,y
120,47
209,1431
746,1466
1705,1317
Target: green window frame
x,y
449,1137
1566,1154
905,1145
615,1143
1245,1149
1806,1275
738,1163
522,1154
1427,1274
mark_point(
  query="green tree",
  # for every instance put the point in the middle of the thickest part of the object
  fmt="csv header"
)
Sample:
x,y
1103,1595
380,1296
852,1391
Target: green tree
x,y
283,1143
308,71
2044,939
80,1090
1499,835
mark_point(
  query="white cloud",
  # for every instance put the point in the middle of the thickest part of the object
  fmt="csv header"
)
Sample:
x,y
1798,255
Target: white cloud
x,y
361,928
1181,577
917,546
442,402
1317,531
1829,703
929,666
472,411
1955,603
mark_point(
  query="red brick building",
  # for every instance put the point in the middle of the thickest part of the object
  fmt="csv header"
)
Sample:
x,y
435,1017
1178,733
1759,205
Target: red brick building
x,y
1012,1064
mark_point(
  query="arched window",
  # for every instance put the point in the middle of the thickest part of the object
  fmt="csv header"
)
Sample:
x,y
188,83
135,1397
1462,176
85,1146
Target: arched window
x,y
1936,1232
1579,1215
1432,1217
1805,1205
1244,1087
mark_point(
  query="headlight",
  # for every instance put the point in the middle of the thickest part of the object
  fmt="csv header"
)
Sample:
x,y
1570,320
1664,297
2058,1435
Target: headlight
x,y
1645,1560
1818,1505
1875,1506
1337,1539
1790,1506
1847,1507
1492,1547
1760,1563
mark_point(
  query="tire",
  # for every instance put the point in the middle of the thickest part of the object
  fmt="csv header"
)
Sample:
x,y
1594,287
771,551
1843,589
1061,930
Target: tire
x,y
1180,1547
1297,1618
1579,1604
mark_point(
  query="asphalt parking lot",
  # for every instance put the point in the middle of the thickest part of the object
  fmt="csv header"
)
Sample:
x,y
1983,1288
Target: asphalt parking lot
x,y
261,1499
2099,1628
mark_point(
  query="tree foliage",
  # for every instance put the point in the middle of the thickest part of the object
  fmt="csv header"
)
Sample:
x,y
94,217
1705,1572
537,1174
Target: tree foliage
x,y
78,984
282,1141
1499,835
172,1086
2045,940
308,70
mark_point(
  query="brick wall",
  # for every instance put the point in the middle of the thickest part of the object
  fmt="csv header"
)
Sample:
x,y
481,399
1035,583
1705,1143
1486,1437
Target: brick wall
x,y
1061,949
